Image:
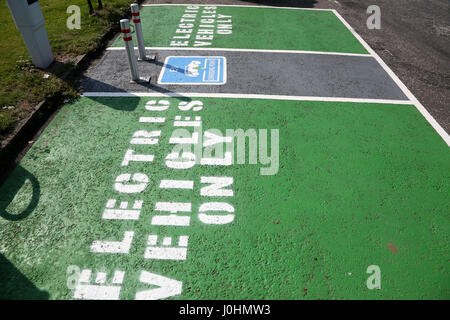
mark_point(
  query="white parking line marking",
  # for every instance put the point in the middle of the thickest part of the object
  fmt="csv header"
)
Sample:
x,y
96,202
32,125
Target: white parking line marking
x,y
246,50
399,83
242,96
233,5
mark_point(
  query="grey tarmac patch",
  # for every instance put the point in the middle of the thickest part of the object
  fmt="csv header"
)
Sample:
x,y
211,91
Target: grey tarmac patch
x,y
291,74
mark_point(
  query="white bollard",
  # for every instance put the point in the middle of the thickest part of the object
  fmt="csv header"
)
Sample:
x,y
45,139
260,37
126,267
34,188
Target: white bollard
x,y
125,27
30,22
138,28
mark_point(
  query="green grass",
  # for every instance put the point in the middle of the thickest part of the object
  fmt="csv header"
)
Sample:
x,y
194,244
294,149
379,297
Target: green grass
x,y
22,85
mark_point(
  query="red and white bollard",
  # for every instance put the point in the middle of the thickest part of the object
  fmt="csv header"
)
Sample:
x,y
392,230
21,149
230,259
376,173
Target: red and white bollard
x,y
138,29
125,27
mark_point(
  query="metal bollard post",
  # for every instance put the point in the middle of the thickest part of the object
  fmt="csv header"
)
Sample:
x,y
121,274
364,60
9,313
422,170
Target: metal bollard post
x,y
125,27
138,29
30,22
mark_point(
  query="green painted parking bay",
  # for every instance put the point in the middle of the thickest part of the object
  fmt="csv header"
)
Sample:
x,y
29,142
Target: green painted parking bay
x,y
358,184
181,26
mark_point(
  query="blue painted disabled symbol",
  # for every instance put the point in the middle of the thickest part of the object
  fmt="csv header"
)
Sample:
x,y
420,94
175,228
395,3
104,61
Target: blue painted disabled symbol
x,y
194,70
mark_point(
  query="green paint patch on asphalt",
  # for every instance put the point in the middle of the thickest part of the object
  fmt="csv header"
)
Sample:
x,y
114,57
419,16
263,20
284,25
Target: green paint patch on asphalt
x,y
252,28
342,193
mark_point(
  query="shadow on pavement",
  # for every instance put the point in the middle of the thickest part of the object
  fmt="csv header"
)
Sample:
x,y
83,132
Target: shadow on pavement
x,y
118,104
12,187
15,286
